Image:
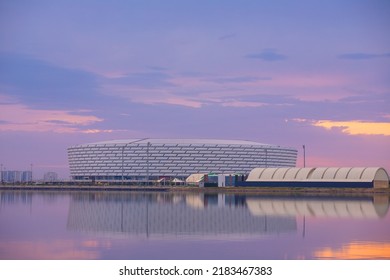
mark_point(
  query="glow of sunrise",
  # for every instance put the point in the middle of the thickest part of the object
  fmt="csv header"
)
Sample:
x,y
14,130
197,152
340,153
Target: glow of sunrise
x,y
356,127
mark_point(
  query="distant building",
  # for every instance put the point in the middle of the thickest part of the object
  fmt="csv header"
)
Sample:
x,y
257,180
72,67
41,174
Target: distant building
x,y
26,176
152,159
50,177
16,176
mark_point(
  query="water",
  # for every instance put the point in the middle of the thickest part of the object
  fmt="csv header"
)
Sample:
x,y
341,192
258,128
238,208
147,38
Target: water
x,y
161,225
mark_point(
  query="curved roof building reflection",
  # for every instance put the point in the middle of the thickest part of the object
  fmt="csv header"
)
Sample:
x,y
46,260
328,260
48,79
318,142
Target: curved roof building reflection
x,y
209,215
354,208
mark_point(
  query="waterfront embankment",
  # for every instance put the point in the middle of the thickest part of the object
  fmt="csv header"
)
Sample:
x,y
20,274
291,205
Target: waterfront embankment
x,y
236,190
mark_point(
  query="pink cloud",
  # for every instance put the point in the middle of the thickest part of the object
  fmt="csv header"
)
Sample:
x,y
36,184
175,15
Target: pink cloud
x,y
306,87
92,131
309,80
152,96
174,100
316,160
18,117
242,104
215,89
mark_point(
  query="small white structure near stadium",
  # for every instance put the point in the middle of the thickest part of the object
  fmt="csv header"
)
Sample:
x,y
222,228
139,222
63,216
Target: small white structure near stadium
x,y
214,180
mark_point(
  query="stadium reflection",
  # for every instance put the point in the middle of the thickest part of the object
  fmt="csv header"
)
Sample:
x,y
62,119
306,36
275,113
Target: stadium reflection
x,y
167,225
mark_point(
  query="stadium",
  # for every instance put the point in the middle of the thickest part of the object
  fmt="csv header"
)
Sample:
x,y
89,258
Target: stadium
x,y
153,159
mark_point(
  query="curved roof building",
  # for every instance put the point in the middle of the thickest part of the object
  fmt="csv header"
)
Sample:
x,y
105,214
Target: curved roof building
x,y
376,177
142,159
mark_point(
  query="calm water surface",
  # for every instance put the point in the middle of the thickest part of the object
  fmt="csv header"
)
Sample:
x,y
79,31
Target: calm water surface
x,y
160,225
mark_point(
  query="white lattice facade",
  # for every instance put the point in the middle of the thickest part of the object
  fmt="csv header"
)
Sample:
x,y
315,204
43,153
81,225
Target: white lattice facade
x,y
140,159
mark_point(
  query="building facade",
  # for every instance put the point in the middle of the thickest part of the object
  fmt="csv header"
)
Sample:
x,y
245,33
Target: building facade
x,y
151,159
50,177
16,176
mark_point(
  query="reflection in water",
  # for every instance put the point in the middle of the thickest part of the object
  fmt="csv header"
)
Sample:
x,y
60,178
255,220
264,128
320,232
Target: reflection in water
x,y
320,208
10,197
167,215
356,250
114,225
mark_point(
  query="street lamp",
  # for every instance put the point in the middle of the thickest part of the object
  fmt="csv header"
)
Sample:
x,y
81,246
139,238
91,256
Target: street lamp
x,y
304,156
147,162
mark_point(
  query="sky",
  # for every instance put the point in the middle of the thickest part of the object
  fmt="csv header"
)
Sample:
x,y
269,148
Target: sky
x,y
290,73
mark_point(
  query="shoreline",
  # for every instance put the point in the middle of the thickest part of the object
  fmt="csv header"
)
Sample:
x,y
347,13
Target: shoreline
x,y
193,189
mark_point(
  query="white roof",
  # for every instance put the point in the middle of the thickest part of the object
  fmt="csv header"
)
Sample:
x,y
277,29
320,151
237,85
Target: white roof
x,y
179,141
356,174
195,178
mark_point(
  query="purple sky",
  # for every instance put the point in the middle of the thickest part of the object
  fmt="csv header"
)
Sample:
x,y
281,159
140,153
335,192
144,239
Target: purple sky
x,y
280,72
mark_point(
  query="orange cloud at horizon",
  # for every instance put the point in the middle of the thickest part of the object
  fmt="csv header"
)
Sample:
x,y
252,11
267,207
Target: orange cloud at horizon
x,y
356,127
356,250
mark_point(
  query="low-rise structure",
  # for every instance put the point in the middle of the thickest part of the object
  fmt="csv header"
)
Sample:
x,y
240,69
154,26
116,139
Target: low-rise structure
x,y
214,180
357,177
